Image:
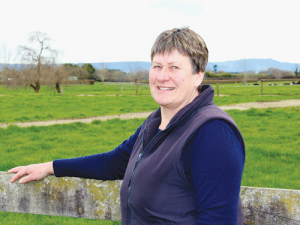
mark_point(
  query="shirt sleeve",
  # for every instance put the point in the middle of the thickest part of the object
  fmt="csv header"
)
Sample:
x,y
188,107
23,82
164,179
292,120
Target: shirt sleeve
x,y
105,166
213,164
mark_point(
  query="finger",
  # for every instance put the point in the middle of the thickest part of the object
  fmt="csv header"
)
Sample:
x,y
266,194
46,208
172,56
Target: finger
x,y
26,179
16,169
19,174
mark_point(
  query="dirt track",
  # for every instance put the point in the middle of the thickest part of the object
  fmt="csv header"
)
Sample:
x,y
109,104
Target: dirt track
x,y
242,106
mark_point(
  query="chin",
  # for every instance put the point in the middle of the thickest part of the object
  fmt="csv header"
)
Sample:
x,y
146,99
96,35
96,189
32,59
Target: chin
x,y
162,102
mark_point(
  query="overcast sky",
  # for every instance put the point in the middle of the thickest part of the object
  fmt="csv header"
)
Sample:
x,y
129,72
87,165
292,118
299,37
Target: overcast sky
x,y
124,30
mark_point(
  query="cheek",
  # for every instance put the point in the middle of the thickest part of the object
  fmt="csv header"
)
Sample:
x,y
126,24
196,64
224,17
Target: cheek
x,y
152,77
178,79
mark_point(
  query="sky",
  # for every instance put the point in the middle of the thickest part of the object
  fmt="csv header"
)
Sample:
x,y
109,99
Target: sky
x,y
90,31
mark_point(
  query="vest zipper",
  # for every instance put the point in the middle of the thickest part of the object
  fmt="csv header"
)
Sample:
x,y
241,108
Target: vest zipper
x,y
141,154
135,165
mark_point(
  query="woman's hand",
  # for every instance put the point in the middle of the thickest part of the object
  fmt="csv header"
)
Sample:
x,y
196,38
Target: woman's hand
x,y
34,172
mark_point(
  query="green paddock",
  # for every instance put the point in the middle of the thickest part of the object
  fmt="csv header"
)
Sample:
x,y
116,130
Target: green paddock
x,y
271,135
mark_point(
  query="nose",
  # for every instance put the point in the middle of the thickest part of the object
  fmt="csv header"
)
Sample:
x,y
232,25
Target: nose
x,y
163,75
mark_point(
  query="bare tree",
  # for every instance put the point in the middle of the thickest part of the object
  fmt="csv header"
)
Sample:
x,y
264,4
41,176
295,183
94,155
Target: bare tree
x,y
137,73
145,75
55,75
100,74
64,74
5,54
250,74
132,69
37,57
277,73
103,72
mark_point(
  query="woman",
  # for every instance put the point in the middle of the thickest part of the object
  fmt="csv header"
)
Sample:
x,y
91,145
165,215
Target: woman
x,y
184,164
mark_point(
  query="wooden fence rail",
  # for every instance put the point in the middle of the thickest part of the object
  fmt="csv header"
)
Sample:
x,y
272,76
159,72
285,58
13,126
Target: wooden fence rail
x,y
94,199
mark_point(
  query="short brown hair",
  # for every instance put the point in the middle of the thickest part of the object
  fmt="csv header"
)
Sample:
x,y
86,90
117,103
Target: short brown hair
x,y
187,42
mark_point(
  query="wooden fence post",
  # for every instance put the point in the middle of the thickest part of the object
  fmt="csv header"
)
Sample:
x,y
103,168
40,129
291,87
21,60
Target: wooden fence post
x,y
121,88
218,89
261,84
137,89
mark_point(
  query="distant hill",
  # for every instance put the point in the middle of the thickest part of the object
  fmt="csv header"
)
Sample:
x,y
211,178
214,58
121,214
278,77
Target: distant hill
x,y
252,64
227,66
124,66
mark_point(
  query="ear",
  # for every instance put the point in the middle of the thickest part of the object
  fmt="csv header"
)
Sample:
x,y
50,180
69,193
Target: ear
x,y
199,78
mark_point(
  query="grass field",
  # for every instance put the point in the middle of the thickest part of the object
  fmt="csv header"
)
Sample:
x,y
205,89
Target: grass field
x,y
272,139
20,105
81,101
271,136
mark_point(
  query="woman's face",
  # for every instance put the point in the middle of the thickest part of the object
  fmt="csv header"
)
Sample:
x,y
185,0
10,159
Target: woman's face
x,y
172,83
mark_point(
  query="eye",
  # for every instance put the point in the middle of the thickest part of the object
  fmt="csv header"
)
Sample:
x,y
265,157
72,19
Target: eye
x,y
156,66
174,67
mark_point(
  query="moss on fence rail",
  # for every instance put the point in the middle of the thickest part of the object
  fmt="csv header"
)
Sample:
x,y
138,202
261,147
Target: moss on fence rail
x,y
73,197
270,206
94,199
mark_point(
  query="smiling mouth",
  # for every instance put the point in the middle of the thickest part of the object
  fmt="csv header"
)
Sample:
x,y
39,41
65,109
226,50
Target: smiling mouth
x,y
165,88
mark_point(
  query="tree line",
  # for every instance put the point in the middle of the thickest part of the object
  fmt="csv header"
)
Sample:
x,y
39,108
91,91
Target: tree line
x,y
270,73
38,66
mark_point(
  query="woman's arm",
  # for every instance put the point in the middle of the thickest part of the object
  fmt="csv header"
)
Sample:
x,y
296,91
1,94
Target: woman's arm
x,y
216,165
105,166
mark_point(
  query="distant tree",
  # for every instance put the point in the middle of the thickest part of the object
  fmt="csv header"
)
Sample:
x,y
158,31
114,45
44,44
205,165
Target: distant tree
x,y
5,54
57,75
215,68
89,68
120,76
103,72
97,75
251,73
276,73
35,60
132,70
245,71
111,75
138,73
144,75
101,75
74,70
296,71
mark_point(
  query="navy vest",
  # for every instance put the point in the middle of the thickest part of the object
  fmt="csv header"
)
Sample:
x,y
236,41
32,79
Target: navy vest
x,y
154,189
